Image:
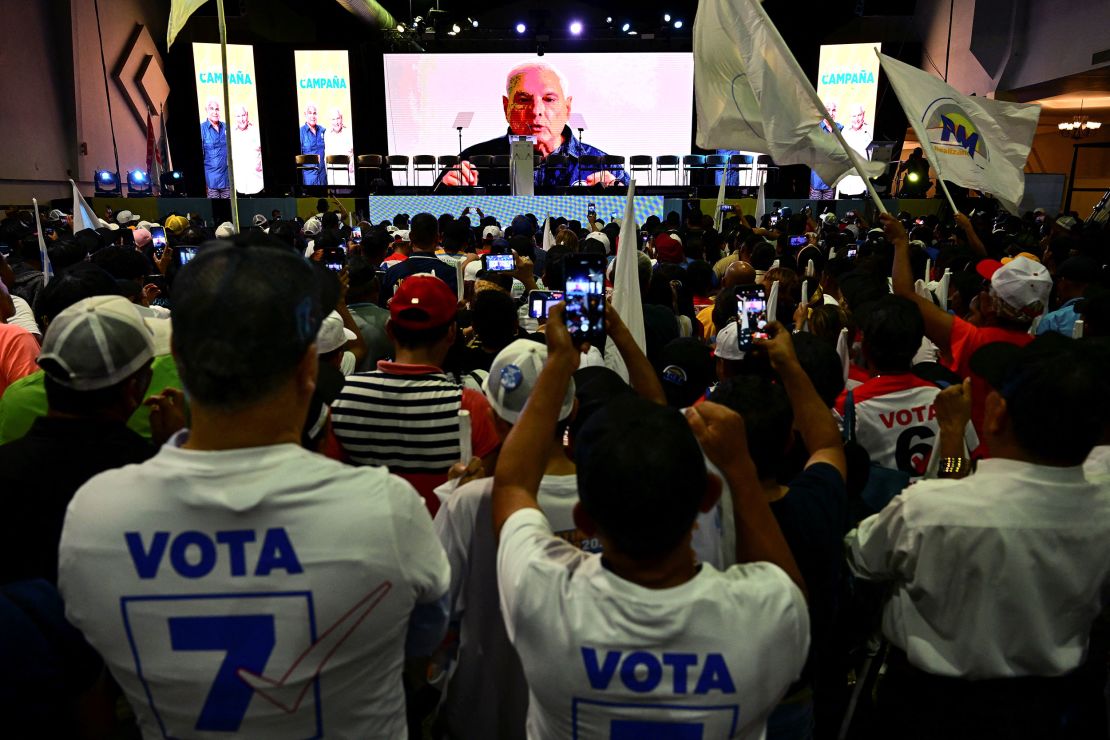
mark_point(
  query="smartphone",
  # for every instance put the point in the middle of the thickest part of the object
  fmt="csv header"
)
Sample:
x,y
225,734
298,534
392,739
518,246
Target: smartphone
x,y
335,265
158,240
774,220
539,301
919,221
852,252
798,241
727,208
614,215
850,214
184,254
751,309
645,239
591,209
157,280
585,297
356,234
498,262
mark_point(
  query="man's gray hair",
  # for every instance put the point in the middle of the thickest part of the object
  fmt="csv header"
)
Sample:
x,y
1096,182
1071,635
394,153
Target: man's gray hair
x,y
517,71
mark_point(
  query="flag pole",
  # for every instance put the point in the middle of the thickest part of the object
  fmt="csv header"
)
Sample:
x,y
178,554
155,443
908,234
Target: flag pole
x,y
924,142
852,153
227,114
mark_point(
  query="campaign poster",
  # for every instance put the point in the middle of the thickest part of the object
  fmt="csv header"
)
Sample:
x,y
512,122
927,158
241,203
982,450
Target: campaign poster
x,y
324,102
848,84
242,121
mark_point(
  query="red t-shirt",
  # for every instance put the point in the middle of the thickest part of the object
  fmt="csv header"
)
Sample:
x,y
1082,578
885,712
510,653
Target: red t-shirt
x,y
966,340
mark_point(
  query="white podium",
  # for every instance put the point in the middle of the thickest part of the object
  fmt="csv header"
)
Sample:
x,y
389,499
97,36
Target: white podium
x,y
521,167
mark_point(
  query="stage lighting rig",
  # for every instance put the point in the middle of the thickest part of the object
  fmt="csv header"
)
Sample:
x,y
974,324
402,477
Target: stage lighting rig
x,y
138,184
107,183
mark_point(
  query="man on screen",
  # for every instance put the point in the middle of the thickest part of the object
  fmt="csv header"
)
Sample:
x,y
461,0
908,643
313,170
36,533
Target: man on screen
x,y
340,141
246,153
858,132
213,141
537,103
818,188
312,142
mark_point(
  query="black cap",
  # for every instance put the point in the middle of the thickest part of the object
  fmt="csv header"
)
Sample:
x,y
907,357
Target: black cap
x,y
686,371
1078,269
1004,364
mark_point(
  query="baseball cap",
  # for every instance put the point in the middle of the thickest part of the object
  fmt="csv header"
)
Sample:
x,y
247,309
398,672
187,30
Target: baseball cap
x,y
513,375
987,268
313,226
55,215
259,220
332,334
1024,286
225,230
687,371
1002,364
668,249
521,226
1067,223
491,232
176,223
142,237
500,243
1026,255
423,302
597,236
728,342
828,218
144,224
127,217
96,343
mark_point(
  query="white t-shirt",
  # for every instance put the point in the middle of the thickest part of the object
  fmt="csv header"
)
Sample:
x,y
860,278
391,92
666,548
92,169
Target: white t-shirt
x,y
605,657
486,696
199,575
24,316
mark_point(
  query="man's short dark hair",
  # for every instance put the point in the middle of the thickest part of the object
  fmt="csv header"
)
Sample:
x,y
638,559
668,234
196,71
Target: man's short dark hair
x,y
645,504
424,231
122,263
523,246
330,220
892,332
81,281
858,287
362,276
243,318
495,319
763,256
768,417
419,338
821,363
456,237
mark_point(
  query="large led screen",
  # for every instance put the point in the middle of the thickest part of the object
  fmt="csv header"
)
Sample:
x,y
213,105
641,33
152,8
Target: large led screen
x,y
241,120
324,100
626,104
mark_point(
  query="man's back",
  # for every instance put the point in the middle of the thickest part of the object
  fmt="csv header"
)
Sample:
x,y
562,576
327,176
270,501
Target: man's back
x,y
997,575
419,263
605,657
198,575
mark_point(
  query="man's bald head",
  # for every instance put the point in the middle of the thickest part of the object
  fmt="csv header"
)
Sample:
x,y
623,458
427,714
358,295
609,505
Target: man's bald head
x,y
738,273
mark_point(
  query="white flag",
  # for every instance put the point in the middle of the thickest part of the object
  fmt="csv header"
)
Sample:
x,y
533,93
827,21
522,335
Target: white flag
x,y
180,10
751,94
718,217
626,287
760,204
975,142
47,268
548,238
83,215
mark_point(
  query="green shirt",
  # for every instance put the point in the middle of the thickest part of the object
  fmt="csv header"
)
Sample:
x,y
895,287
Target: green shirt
x,y
25,400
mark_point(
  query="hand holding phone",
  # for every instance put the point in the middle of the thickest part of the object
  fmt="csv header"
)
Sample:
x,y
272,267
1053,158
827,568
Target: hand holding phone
x,y
585,298
498,262
185,254
798,241
751,311
541,301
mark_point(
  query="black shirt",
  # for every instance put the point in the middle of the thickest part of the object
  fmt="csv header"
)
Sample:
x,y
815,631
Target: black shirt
x,y
39,475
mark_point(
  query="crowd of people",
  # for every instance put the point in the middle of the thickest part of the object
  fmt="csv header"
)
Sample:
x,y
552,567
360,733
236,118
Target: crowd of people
x,y
306,480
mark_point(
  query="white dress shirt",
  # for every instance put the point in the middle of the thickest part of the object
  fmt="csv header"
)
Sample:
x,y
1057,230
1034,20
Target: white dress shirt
x,y
996,575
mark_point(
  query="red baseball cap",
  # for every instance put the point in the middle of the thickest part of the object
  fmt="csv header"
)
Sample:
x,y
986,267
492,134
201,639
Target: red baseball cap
x,y
987,268
668,249
423,302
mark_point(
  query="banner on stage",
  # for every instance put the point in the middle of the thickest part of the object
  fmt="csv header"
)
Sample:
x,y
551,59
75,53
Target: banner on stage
x,y
324,102
625,103
848,84
242,120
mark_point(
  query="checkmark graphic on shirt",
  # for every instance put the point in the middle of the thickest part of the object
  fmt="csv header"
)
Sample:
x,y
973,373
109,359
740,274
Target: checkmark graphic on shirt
x,y
289,691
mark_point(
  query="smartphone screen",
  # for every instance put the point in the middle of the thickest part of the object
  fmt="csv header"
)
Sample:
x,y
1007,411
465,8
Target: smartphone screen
x,y
356,234
774,220
157,280
334,265
852,253
158,239
585,297
798,241
751,309
727,208
592,208
540,301
498,262
184,254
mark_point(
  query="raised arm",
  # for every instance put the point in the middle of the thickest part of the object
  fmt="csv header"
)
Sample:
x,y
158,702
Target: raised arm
x,y
641,375
519,470
722,436
812,417
938,322
972,237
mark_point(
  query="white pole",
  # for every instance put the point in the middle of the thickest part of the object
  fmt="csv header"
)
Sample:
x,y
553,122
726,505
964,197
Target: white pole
x,y
227,114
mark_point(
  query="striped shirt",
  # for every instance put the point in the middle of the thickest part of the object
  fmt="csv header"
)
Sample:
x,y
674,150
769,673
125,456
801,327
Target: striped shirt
x,y
406,418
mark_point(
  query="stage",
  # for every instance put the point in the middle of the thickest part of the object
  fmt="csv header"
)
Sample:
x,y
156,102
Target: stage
x,y
379,208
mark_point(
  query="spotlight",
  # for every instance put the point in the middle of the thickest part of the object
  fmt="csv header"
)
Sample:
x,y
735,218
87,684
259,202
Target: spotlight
x,y
608,19
474,23
575,28
171,182
626,27
631,33
521,28
138,183
400,28
666,17
678,24
107,183
913,177
455,28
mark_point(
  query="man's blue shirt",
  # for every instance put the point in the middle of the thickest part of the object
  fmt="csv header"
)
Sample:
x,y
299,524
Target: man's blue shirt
x,y
214,143
314,144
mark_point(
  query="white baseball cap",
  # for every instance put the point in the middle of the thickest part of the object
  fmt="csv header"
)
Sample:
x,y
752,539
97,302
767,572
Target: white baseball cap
x,y
127,217
597,236
225,230
332,334
491,232
313,226
513,375
1024,285
96,343
728,342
